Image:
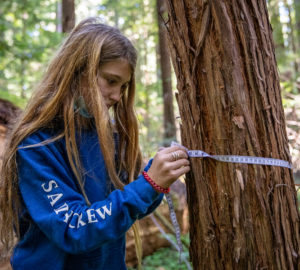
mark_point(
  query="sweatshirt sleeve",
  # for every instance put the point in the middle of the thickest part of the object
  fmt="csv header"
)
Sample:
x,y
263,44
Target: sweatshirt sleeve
x,y
157,201
49,191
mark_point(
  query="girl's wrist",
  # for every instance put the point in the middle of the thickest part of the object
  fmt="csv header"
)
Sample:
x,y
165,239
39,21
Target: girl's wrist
x,y
154,185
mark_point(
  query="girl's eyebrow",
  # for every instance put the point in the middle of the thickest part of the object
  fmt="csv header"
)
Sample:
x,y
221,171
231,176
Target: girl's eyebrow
x,y
116,76
112,75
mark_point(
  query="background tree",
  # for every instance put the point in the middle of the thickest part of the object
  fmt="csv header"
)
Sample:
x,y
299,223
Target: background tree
x,y
241,216
292,40
166,76
297,20
68,15
273,7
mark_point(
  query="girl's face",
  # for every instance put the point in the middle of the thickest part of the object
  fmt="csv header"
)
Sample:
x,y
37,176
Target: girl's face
x,y
113,80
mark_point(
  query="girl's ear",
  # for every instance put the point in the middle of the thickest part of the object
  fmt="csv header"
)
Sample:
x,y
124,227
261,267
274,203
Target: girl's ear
x,y
80,107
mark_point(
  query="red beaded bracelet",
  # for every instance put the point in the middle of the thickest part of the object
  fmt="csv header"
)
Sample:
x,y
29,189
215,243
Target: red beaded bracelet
x,y
154,185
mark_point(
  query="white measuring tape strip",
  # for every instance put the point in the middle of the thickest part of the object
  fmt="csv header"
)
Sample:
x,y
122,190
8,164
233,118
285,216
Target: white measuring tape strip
x,y
175,223
238,159
242,159
222,158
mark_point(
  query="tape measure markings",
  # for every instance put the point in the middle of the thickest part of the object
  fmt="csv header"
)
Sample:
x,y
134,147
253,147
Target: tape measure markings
x,y
242,159
175,223
238,159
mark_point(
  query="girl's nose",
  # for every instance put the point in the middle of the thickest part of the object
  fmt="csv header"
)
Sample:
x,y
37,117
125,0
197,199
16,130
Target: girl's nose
x,y
116,95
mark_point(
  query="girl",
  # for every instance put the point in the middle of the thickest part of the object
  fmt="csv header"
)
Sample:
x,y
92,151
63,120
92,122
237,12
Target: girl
x,y
71,182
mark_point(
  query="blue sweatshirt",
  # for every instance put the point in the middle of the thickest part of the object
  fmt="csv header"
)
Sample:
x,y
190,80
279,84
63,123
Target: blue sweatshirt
x,y
58,229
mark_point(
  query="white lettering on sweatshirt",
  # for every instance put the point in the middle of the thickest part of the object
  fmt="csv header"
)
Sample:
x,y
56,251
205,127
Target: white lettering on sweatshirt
x,y
63,208
105,210
50,186
54,198
73,219
91,216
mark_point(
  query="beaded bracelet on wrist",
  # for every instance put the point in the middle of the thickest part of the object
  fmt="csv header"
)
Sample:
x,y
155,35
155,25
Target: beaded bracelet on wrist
x,y
154,185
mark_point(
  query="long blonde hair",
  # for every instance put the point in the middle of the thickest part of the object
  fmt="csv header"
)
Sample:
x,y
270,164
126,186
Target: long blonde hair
x,y
88,46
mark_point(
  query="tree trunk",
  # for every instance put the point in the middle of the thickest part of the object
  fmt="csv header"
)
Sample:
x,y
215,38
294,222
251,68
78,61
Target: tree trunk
x,y
241,216
68,15
166,76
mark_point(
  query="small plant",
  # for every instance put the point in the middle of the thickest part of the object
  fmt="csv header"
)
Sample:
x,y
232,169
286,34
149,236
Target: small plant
x,y
166,258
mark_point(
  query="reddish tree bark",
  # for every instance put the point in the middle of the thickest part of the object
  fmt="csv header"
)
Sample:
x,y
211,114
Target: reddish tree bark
x,y
241,216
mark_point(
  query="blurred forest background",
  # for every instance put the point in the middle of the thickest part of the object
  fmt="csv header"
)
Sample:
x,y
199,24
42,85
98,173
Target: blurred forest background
x,y
32,30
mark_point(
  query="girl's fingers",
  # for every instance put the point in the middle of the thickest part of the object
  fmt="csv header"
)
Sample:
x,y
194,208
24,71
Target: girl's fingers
x,y
177,155
165,155
168,165
178,164
182,170
173,149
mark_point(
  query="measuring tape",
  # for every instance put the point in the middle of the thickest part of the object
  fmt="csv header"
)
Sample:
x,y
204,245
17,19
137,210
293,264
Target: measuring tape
x,y
238,159
242,159
222,158
175,223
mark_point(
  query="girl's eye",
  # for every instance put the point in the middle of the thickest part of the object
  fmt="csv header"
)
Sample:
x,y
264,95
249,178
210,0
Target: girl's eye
x,y
111,81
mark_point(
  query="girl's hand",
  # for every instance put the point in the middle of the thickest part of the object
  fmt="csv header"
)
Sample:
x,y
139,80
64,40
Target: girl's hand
x,y
168,165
